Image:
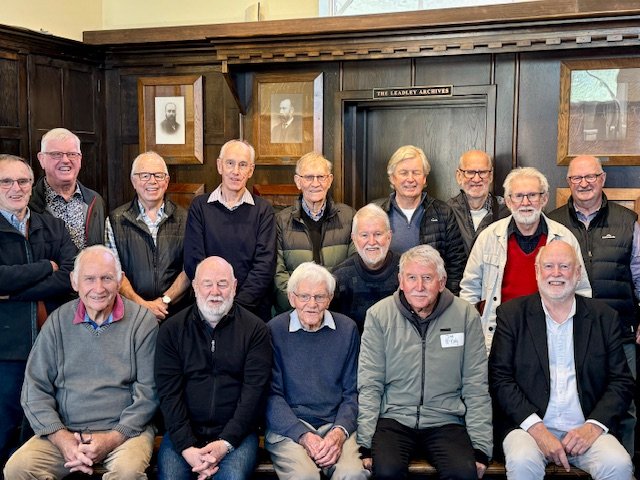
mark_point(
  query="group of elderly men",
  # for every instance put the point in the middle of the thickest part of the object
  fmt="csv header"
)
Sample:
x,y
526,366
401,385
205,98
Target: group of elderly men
x,y
384,319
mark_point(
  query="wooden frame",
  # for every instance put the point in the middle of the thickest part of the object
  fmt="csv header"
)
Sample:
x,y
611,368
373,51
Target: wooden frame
x,y
600,110
627,197
170,117
294,100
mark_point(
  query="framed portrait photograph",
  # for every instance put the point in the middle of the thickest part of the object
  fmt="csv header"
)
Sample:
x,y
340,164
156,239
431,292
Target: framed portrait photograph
x,y
170,117
600,110
287,117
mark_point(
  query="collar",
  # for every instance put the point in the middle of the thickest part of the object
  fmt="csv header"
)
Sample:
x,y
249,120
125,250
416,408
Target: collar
x,y
117,313
295,324
548,317
144,213
216,196
50,194
20,225
315,217
542,228
488,203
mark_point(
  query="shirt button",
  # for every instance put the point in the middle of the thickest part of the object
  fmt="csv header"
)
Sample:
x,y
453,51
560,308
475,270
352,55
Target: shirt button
x,y
491,329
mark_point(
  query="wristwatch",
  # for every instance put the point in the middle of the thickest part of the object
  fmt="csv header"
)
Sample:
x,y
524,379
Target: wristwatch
x,y
228,445
166,299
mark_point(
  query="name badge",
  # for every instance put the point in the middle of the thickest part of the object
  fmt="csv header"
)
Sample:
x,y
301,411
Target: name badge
x,y
452,340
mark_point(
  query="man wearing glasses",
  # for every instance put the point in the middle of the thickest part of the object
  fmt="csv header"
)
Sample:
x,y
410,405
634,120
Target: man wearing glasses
x,y
315,228
611,236
475,207
313,403
147,236
60,194
36,257
233,224
501,265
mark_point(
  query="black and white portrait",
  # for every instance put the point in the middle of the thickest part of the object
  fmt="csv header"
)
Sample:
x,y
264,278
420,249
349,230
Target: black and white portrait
x,y
170,120
286,118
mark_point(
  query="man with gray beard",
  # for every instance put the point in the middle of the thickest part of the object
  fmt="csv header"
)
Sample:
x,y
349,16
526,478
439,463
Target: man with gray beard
x,y
501,264
213,362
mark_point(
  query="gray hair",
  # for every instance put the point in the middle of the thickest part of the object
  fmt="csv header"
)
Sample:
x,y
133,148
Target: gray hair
x,y
313,273
521,172
58,134
150,154
98,249
15,158
217,259
246,145
369,212
404,153
312,157
424,255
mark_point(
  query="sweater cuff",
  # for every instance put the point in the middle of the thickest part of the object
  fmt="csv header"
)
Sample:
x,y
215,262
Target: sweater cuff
x,y
481,457
127,431
48,430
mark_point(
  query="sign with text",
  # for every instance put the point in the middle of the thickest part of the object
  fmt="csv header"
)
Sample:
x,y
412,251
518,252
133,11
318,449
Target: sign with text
x,y
402,92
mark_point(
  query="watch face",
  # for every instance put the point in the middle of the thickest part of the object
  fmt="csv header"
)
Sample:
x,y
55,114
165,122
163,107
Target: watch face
x,y
166,299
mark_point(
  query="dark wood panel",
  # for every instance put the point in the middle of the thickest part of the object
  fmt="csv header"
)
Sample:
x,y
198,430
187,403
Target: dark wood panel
x,y
10,146
80,90
45,96
9,93
129,107
506,75
452,70
376,73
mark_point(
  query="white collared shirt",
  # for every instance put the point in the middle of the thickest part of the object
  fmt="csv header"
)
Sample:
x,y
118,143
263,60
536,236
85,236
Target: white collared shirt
x,y
216,196
295,324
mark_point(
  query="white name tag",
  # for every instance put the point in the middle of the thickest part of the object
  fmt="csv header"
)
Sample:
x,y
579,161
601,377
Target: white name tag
x,y
452,340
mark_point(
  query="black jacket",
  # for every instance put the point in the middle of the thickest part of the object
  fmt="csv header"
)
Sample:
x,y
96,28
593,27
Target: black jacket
x,y
96,210
461,209
212,383
606,249
519,378
151,269
26,276
439,229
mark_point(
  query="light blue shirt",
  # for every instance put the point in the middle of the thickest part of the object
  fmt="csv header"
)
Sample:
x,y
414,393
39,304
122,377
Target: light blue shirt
x,y
20,225
295,324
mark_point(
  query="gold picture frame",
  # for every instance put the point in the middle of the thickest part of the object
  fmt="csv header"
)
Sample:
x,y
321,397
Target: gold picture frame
x,y
287,117
600,110
170,117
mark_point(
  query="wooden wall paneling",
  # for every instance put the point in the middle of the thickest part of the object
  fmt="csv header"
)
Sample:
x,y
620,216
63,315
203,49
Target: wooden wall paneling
x,y
376,74
14,133
505,77
45,98
80,89
454,70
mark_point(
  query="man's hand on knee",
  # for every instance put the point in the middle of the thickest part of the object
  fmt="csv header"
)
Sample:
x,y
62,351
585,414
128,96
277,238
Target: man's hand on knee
x,y
101,445
549,445
312,443
67,443
580,439
331,448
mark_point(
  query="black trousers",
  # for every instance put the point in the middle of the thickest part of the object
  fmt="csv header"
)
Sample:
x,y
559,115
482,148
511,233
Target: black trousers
x,y
448,448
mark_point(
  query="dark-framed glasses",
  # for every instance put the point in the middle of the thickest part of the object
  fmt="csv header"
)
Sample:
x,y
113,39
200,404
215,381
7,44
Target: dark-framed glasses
x,y
7,183
576,179
305,297
59,155
146,176
469,174
519,197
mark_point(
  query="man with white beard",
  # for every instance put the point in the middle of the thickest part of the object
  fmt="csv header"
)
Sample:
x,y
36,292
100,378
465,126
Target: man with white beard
x,y
213,362
501,264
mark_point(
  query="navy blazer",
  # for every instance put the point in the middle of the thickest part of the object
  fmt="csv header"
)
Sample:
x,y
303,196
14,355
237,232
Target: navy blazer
x,y
519,363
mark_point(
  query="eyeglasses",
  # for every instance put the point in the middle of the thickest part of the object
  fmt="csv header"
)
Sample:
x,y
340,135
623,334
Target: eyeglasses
x,y
59,155
519,197
469,174
146,176
312,178
305,297
7,183
576,179
231,165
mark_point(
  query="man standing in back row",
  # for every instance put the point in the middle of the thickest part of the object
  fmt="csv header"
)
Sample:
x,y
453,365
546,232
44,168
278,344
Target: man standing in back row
x,y
60,194
237,226
609,236
475,207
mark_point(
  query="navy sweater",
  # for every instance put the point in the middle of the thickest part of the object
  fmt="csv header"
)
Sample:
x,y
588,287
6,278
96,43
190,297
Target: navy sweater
x,y
313,377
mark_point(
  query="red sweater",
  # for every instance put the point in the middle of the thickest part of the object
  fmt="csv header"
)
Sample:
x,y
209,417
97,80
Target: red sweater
x,y
520,273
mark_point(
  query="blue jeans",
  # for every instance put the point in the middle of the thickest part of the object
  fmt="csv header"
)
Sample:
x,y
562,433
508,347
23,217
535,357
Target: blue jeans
x,y
237,465
12,376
